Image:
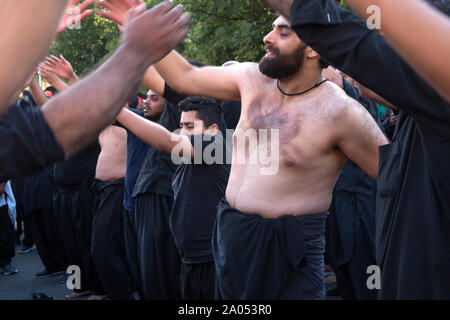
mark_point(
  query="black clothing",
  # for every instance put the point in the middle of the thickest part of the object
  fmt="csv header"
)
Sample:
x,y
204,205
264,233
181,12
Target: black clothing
x,y
136,152
28,144
159,261
74,212
73,206
78,169
258,258
47,239
7,237
131,250
157,170
108,243
198,188
231,113
197,281
413,207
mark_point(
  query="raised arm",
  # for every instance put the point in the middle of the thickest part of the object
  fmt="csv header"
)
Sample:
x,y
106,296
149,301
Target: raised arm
x,y
78,114
359,137
60,67
38,95
52,78
428,50
215,82
24,24
343,39
152,133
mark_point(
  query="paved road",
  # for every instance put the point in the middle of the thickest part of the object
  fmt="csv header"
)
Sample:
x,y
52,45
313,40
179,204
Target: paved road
x,y
20,285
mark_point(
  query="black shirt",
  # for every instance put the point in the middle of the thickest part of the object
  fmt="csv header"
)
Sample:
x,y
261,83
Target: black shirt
x,y
413,206
198,188
80,168
136,152
28,145
157,170
231,113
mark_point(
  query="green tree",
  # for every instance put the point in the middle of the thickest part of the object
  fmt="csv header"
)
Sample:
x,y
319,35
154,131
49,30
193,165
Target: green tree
x,y
226,30
89,45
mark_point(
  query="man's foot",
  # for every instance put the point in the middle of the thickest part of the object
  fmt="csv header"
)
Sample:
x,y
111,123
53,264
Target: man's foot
x,y
26,249
8,270
75,295
95,297
46,274
64,278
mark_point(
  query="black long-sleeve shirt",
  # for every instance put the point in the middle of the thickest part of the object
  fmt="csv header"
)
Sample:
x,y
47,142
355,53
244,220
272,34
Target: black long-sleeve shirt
x,y
413,203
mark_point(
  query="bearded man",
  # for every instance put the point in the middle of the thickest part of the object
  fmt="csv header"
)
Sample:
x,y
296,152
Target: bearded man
x,y
268,241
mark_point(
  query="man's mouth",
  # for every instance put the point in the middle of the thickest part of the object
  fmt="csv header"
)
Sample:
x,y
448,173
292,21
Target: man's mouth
x,y
270,52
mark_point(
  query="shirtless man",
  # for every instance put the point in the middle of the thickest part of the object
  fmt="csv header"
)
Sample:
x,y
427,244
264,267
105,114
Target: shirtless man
x,y
268,241
108,244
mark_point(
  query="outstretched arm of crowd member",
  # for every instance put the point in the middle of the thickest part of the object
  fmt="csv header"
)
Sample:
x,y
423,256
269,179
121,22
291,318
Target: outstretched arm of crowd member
x,y
116,10
36,90
74,13
61,67
215,82
343,39
419,33
359,137
152,80
78,114
24,24
52,78
155,134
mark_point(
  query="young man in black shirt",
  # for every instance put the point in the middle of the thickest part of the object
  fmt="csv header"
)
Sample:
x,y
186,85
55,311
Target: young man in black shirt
x,y
198,187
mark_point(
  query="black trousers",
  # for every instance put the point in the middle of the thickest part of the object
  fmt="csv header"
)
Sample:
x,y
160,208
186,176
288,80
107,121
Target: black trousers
x,y
131,248
48,239
7,237
108,244
159,260
197,281
74,212
352,276
23,227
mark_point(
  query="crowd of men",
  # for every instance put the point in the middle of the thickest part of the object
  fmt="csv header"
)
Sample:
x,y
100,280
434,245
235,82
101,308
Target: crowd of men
x,y
244,181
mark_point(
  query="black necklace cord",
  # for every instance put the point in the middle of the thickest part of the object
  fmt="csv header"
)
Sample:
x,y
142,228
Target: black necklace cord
x,y
303,92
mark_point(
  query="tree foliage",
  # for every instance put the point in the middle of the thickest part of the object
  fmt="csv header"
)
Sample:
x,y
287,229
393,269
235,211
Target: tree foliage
x,y
87,46
219,31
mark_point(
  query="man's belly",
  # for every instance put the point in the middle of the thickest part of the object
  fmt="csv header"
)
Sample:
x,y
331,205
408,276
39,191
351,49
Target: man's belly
x,y
110,168
287,193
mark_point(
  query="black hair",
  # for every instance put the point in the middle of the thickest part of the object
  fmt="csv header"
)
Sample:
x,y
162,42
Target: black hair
x,y
142,95
52,89
323,63
208,110
133,101
441,5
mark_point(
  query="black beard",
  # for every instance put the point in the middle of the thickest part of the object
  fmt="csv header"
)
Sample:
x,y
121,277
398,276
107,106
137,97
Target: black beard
x,y
154,118
282,66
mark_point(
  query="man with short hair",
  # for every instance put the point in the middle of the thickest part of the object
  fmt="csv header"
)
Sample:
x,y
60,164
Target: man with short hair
x,y
268,241
198,187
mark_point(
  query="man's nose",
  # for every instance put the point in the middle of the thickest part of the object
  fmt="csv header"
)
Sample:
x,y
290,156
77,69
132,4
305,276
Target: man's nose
x,y
268,39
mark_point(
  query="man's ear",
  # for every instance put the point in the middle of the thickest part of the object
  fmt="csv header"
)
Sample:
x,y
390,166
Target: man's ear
x,y
311,54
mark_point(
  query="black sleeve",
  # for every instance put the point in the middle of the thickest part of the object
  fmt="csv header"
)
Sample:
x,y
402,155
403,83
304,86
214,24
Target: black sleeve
x,y
27,145
172,96
344,40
